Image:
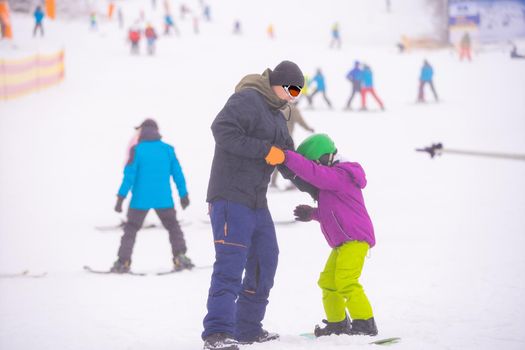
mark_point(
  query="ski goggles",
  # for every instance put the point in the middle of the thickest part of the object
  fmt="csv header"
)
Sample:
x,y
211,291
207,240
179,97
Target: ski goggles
x,y
292,90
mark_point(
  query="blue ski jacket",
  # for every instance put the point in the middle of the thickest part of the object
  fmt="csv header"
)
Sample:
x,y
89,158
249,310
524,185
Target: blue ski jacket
x,y
319,82
148,174
426,73
39,16
367,80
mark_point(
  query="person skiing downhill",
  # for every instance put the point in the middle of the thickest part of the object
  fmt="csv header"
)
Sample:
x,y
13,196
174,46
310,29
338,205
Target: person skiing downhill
x,y
426,77
347,228
151,163
134,39
465,47
39,19
320,86
354,76
367,86
250,135
151,38
336,36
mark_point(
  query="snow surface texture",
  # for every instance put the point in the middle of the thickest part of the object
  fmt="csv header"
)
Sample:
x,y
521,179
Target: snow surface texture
x,y
448,271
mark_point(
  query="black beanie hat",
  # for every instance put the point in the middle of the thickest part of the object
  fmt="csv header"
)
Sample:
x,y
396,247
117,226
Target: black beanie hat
x,y
287,73
148,122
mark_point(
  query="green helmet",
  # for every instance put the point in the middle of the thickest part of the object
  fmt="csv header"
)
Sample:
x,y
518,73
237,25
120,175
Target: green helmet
x,y
315,146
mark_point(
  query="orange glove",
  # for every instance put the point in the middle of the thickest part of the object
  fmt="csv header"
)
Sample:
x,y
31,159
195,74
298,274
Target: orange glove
x,y
275,156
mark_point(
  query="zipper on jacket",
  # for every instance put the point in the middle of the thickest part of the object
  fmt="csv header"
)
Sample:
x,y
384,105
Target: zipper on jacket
x,y
338,225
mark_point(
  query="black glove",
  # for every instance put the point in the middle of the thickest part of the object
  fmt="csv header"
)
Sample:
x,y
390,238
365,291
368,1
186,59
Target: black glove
x,y
118,206
303,213
184,202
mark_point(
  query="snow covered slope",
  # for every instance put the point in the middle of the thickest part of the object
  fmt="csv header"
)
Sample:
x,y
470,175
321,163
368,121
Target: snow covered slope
x,y
448,268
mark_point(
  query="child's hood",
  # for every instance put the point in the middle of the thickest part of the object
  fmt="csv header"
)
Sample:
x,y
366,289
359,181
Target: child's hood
x,y
356,172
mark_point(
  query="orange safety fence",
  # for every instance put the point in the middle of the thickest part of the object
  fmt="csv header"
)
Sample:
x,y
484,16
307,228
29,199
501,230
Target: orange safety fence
x,y
51,9
19,77
6,30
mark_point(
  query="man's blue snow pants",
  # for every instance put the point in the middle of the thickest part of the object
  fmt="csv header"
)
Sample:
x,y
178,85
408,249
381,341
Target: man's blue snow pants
x,y
244,241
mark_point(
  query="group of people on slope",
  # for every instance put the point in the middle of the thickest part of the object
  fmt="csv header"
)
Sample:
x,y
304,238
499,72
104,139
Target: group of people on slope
x,y
135,35
251,140
362,80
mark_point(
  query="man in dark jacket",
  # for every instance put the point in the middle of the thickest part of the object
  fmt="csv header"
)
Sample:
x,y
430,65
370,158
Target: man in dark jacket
x,y
151,165
250,135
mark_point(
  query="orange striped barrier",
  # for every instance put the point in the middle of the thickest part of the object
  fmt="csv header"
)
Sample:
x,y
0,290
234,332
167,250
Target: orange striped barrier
x,y
23,76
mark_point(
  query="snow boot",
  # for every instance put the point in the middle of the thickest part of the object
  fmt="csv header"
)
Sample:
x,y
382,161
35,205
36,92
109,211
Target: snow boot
x,y
121,266
337,328
262,338
182,262
364,327
220,341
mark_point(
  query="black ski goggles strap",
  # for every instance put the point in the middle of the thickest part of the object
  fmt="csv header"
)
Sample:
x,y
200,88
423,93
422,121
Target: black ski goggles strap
x,y
326,159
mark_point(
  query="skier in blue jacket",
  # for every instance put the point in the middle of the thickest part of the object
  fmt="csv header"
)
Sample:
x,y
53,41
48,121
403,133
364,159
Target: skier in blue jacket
x,y
147,174
320,86
426,77
39,18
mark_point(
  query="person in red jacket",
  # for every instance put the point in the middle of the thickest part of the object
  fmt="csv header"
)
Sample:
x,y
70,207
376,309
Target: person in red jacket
x,y
134,39
151,38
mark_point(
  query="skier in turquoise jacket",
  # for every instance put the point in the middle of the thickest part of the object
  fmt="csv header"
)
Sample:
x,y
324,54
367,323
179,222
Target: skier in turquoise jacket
x,y
347,228
151,165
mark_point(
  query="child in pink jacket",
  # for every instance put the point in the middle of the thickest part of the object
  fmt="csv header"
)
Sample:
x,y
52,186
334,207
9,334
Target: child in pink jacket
x,y
347,228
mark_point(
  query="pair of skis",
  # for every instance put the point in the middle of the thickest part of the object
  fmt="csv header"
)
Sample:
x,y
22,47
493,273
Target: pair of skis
x,y
160,273
25,273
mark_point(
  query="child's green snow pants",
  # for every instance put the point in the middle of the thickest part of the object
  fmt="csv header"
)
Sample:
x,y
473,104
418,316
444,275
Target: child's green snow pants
x,y
340,283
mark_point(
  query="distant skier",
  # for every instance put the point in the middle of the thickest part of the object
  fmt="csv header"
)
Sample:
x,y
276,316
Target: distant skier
x,y
465,47
237,27
169,24
367,86
426,77
184,10
120,17
320,86
270,31
354,76
514,53
93,21
336,36
39,19
151,38
134,39
347,228
206,13
196,25
293,117
304,90
147,174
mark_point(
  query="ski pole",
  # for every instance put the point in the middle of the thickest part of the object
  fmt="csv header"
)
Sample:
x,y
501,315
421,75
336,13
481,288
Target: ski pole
x,y
437,149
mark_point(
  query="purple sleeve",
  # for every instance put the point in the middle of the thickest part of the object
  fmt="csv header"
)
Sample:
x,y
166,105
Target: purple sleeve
x,y
315,214
322,177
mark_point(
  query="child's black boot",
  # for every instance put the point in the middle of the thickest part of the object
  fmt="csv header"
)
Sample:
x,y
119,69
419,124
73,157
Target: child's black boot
x,y
337,328
364,327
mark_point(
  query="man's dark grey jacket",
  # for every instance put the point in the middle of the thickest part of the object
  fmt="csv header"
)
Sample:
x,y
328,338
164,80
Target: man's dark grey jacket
x,y
244,130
